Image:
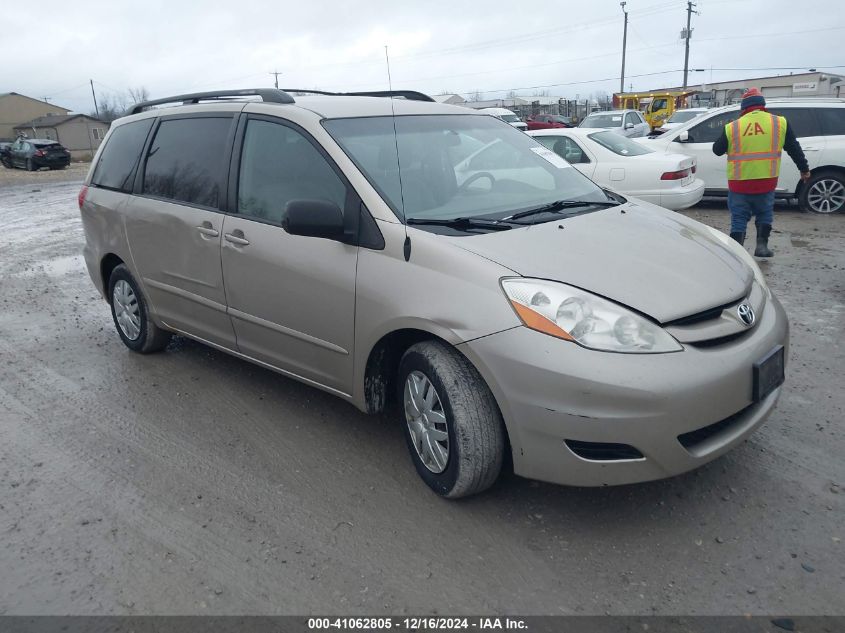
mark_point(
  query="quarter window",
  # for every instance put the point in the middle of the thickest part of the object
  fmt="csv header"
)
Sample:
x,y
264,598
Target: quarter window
x,y
119,158
278,164
832,121
186,159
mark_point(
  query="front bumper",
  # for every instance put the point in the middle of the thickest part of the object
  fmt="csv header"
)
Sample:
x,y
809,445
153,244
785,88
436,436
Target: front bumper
x,y
551,391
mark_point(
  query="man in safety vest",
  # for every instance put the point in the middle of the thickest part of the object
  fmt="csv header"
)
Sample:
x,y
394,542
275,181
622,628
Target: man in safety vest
x,y
754,143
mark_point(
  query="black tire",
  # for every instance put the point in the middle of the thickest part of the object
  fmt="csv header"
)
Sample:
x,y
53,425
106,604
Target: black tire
x,y
822,178
476,431
30,166
151,338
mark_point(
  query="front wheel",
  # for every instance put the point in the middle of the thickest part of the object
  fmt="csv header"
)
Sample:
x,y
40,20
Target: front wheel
x,y
131,315
30,166
824,193
453,427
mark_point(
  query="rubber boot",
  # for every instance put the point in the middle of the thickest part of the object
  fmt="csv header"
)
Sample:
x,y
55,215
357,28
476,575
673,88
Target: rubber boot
x,y
763,250
739,237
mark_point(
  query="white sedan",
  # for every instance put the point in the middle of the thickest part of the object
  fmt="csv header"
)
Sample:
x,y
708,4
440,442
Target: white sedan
x,y
626,166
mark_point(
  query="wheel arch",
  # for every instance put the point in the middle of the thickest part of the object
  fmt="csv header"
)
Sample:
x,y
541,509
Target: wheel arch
x,y
108,263
382,367
837,169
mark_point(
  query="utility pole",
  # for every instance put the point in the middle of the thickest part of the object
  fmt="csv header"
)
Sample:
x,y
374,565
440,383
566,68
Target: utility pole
x,y
685,34
276,73
624,45
94,94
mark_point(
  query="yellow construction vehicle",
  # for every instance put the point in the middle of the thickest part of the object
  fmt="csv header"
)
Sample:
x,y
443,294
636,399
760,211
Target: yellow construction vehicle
x,y
656,106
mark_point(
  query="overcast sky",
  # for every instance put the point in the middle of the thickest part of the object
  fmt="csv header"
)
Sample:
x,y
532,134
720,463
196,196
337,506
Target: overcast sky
x,y
568,48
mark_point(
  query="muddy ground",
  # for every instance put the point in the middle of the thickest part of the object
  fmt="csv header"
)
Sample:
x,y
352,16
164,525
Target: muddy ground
x,y
192,482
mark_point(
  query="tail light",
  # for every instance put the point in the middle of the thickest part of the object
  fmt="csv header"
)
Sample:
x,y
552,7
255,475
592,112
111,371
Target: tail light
x,y
40,152
675,175
81,197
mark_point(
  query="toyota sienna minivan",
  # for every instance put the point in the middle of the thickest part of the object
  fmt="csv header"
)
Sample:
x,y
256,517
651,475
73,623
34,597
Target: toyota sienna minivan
x,y
501,306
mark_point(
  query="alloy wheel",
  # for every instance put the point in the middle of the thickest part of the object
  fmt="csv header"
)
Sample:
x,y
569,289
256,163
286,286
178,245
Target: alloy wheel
x,y
426,421
826,196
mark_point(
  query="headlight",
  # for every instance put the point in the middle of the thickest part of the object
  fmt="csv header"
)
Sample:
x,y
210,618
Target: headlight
x,y
576,315
734,246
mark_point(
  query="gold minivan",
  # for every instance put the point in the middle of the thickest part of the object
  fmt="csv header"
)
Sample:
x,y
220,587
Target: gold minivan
x,y
389,249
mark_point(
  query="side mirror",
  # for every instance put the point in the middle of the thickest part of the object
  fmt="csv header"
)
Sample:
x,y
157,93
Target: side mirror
x,y
629,126
314,218
683,137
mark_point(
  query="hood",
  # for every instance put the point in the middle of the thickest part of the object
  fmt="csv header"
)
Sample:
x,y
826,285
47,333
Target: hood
x,y
658,262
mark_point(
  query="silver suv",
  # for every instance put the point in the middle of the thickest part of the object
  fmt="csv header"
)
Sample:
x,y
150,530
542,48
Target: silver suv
x,y
396,250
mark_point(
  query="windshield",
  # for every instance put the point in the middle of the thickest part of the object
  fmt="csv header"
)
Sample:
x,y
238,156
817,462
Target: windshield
x,y
458,166
510,118
602,120
619,144
682,116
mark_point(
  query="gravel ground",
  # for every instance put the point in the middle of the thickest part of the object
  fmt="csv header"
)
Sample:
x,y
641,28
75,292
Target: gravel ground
x,y
192,482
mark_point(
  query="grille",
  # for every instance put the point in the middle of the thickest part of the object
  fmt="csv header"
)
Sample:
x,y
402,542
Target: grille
x,y
699,317
602,451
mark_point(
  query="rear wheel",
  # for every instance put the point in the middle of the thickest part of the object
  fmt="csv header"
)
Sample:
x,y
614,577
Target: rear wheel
x,y
824,193
453,427
131,316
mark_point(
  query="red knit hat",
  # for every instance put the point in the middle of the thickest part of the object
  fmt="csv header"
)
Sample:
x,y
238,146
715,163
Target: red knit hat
x,y
751,98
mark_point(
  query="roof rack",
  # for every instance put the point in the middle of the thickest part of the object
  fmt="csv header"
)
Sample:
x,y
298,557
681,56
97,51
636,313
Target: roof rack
x,y
411,95
273,95
269,95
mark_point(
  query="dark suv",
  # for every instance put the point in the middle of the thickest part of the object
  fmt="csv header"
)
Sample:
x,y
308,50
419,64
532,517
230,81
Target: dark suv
x,y
35,153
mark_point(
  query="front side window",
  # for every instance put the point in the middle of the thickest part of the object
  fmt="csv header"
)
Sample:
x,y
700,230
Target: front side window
x,y
278,164
711,129
186,160
631,119
566,148
620,145
508,172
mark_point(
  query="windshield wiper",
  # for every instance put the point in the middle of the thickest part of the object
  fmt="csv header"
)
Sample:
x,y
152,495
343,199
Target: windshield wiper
x,y
558,205
462,224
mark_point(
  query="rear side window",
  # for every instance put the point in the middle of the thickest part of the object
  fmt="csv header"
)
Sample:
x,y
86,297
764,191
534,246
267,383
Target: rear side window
x,y
801,120
119,158
832,121
186,159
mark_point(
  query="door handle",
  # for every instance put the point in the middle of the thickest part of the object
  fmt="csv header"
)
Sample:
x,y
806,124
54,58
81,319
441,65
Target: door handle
x,y
206,229
236,237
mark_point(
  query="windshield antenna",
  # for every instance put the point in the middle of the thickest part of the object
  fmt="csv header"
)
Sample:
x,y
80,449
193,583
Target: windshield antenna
x,y
407,245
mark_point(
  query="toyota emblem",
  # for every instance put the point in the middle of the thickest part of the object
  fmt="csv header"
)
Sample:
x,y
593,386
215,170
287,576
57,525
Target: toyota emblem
x,y
746,314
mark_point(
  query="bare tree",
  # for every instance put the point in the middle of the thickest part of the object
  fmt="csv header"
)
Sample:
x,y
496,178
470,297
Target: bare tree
x,y
139,94
113,105
511,94
476,96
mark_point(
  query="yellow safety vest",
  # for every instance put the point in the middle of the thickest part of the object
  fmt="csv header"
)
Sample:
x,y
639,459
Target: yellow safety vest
x,y
755,143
